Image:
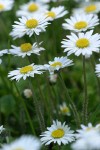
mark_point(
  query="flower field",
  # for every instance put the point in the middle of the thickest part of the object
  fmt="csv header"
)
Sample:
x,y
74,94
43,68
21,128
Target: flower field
x,y
49,75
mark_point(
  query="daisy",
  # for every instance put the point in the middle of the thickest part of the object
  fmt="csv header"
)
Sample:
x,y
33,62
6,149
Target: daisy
x,y
97,70
86,137
80,23
1,129
56,12
24,72
26,49
57,133
83,43
92,142
64,109
25,142
6,5
58,63
31,8
91,8
86,130
2,52
29,25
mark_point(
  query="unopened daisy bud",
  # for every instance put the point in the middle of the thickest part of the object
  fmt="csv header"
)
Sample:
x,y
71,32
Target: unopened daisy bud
x,y
1,129
27,93
53,78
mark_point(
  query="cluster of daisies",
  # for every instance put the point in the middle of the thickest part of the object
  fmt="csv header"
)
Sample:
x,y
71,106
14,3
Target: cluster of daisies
x,y
59,134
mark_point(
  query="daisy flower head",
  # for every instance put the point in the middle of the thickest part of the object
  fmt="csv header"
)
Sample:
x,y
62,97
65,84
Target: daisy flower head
x,y
57,133
88,143
88,138
2,52
87,130
1,129
57,64
25,142
81,22
83,43
56,12
97,70
6,5
24,72
92,8
26,49
31,8
29,26
64,109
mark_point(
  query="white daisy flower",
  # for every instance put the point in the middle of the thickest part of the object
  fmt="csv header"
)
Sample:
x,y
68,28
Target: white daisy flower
x,y
92,142
64,109
80,23
26,49
91,8
58,63
57,133
2,52
25,142
83,43
6,5
31,8
97,69
86,130
1,129
24,72
29,25
56,12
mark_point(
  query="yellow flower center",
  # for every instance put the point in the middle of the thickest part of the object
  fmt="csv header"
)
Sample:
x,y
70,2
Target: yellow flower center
x,y
51,14
32,7
80,25
89,128
1,6
65,110
18,148
90,8
59,133
55,64
82,43
26,69
32,23
26,47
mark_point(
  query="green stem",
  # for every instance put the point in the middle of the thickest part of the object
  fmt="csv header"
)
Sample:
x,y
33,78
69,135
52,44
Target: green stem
x,y
85,102
25,108
74,109
37,108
